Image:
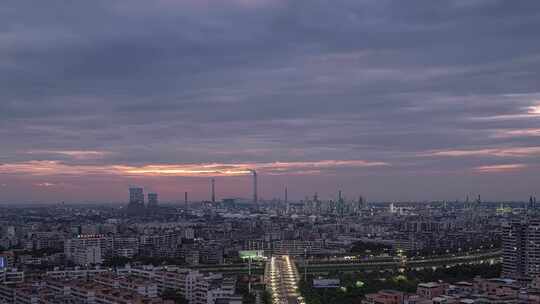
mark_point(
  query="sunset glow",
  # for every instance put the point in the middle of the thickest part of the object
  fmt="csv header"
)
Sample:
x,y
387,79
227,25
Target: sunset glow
x,y
214,169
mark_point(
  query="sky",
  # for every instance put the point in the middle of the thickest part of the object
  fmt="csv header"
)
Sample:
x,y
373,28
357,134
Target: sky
x,y
392,100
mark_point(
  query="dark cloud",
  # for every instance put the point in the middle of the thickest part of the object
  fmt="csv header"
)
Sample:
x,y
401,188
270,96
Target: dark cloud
x,y
275,80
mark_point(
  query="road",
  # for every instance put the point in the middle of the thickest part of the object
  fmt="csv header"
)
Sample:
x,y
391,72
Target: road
x,y
281,274
281,277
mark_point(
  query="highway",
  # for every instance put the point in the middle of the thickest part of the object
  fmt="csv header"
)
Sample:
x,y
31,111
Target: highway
x,y
281,277
321,266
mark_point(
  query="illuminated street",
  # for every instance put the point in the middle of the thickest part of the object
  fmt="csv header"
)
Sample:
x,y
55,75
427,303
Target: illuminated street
x,y
282,279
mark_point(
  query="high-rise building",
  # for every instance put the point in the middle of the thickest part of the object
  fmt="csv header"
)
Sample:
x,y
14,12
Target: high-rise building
x,y
340,208
136,201
532,203
136,196
152,200
521,249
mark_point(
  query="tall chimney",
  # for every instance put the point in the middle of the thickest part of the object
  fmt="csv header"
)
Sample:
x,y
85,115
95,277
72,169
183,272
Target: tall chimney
x,y
213,190
185,198
286,195
255,194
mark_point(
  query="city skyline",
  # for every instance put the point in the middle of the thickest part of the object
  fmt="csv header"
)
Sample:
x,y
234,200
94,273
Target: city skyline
x,y
391,101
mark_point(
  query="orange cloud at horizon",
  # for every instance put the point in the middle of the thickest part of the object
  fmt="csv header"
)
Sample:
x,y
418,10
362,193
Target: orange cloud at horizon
x,y
206,169
185,170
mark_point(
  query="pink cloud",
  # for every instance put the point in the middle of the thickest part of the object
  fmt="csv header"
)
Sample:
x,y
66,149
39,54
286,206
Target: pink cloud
x,y
499,152
526,112
516,133
534,110
45,184
500,168
75,154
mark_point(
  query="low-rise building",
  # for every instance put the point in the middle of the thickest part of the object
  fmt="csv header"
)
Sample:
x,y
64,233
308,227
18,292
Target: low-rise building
x,y
11,276
385,297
